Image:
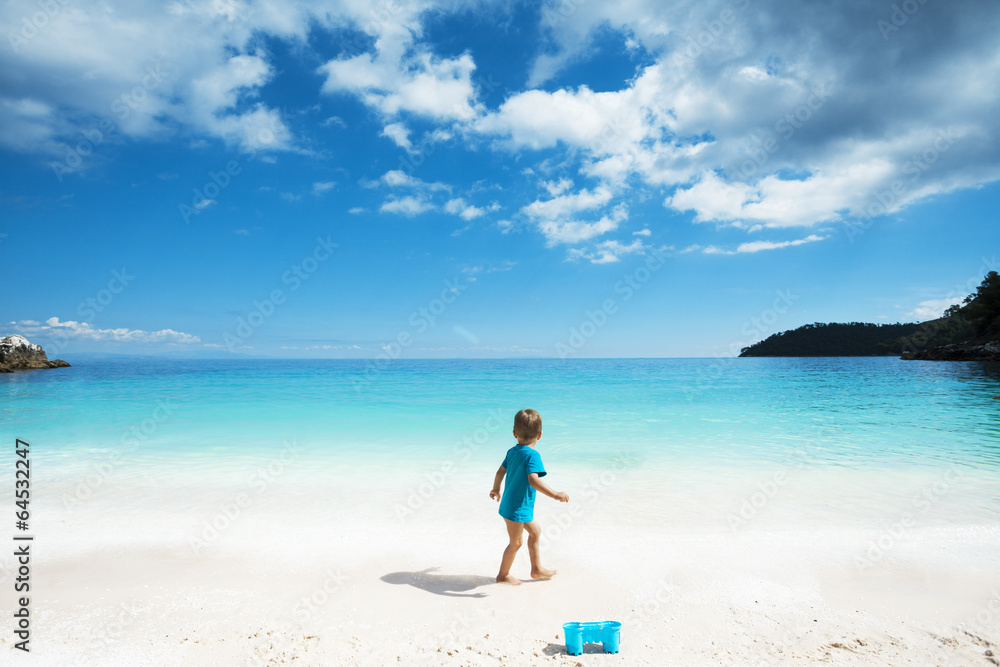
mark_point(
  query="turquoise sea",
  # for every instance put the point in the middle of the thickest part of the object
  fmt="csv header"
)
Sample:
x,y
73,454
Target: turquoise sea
x,y
828,412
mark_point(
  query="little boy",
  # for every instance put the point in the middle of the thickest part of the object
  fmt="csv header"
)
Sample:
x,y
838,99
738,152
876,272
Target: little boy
x,y
518,504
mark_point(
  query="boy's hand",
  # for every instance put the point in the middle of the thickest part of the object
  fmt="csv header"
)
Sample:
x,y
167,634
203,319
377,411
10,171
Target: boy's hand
x,y
495,495
562,497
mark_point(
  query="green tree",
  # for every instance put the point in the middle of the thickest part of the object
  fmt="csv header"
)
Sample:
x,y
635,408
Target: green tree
x,y
982,309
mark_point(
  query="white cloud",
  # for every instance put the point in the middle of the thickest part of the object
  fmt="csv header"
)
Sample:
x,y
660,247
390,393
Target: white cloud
x,y
606,252
847,136
70,330
144,70
564,205
775,202
399,135
555,217
643,232
757,246
472,271
257,130
556,188
850,129
454,206
711,198
219,88
323,186
753,73
933,308
422,84
396,178
575,231
27,124
408,205
540,119
459,207
440,135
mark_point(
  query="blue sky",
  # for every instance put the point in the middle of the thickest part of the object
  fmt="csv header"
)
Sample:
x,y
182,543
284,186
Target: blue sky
x,y
489,179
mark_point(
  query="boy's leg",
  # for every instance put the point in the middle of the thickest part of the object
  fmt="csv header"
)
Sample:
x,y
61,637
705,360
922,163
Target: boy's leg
x,y
534,551
514,532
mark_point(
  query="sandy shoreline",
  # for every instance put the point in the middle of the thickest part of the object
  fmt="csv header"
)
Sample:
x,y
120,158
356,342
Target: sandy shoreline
x,y
309,572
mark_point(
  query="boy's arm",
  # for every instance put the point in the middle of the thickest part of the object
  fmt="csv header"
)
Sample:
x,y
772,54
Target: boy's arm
x,y
542,487
495,493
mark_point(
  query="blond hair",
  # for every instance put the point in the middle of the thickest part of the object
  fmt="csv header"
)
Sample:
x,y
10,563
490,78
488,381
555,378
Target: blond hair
x,y
527,425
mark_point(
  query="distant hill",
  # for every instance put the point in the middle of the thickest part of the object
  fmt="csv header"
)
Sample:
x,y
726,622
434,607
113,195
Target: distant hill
x,y
970,331
932,333
854,339
970,325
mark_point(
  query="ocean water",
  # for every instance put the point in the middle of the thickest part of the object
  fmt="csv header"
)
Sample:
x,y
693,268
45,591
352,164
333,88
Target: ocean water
x,y
833,411
827,412
153,451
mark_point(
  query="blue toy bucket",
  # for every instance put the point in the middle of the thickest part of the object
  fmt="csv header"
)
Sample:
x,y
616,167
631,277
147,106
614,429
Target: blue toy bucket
x,y
608,633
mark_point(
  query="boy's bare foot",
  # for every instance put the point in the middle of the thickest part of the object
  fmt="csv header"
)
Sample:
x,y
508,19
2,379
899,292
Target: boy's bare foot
x,y
509,579
542,573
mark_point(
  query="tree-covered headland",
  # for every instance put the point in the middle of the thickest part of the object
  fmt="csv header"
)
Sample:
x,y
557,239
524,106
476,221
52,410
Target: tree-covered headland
x,y
974,322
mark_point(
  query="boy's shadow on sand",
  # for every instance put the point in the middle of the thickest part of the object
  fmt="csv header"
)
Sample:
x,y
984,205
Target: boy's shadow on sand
x,y
452,585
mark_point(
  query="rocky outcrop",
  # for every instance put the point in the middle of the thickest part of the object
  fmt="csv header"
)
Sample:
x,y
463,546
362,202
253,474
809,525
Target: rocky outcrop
x,y
989,351
17,354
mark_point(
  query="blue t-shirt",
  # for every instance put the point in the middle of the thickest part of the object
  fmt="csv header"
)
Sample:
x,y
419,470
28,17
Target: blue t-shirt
x,y
518,501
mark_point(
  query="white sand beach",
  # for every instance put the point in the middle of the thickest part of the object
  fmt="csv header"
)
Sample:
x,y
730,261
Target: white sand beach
x,y
318,568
